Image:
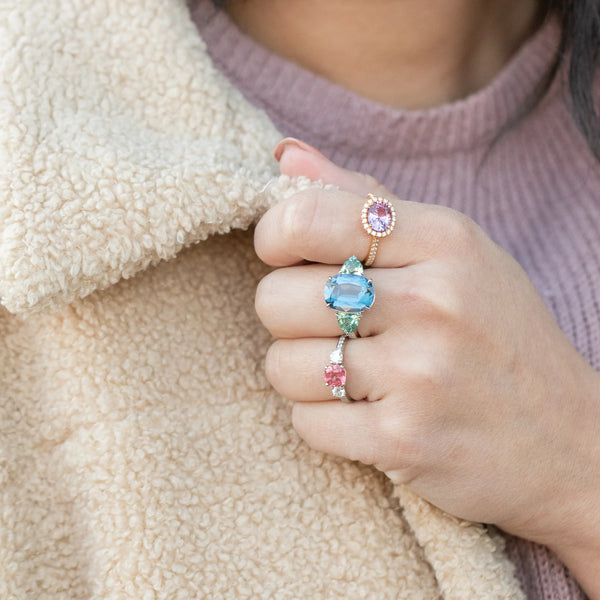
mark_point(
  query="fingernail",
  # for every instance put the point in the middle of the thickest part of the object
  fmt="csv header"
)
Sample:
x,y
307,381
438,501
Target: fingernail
x,y
290,141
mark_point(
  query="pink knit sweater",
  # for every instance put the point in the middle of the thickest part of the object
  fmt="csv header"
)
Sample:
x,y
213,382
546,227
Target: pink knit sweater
x,y
530,182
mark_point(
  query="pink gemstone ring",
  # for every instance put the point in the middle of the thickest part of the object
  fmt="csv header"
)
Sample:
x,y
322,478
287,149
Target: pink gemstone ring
x,y
335,372
379,219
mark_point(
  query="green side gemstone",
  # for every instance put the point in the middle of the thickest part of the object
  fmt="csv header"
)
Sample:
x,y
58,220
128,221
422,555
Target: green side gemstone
x,y
352,266
348,322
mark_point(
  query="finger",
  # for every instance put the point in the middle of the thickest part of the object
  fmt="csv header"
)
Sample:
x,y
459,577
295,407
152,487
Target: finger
x,y
374,433
352,430
291,304
296,369
297,158
325,226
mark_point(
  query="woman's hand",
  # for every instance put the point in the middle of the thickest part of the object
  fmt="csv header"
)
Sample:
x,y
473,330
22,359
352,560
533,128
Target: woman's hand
x,y
474,397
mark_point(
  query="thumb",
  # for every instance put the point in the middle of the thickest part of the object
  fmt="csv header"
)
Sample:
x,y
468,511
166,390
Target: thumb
x,y
299,158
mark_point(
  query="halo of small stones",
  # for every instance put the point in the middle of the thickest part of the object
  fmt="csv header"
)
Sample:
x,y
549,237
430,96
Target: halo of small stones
x,y
371,199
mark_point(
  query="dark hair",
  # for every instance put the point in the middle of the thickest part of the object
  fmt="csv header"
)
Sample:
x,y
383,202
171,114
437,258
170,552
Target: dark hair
x,y
580,46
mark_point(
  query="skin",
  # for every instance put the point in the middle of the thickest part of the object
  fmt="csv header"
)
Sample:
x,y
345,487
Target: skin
x,y
473,395
405,53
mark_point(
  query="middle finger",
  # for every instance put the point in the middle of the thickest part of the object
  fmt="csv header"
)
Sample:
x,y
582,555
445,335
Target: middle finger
x,y
290,301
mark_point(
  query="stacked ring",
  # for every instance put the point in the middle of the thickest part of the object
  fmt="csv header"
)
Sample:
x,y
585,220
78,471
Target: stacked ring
x,y
349,293
379,219
335,372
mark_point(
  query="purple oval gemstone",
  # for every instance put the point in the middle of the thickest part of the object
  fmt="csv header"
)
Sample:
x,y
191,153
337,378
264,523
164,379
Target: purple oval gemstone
x,y
379,216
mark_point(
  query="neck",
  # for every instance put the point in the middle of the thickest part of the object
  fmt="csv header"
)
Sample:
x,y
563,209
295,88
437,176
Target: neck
x,y
405,53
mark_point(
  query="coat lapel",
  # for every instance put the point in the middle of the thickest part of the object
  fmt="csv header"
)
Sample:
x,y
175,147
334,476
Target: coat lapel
x,y
121,144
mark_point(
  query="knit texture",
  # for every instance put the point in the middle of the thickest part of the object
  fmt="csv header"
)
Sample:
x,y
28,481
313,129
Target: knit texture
x,y
142,452
527,178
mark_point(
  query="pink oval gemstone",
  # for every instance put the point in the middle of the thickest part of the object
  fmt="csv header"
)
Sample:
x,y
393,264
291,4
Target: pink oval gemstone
x,y
335,375
379,216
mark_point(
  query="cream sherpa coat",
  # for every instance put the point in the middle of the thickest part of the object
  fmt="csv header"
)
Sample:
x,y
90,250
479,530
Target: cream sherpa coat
x,y
142,453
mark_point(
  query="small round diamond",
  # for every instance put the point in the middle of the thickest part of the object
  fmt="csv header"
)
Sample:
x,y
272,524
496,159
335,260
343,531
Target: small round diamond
x,y
335,375
336,357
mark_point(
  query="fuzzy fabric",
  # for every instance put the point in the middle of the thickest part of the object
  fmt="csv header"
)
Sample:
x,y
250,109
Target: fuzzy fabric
x,y
142,453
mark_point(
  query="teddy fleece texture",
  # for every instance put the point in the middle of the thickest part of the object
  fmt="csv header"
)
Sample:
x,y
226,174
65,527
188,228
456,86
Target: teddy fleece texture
x,y
142,452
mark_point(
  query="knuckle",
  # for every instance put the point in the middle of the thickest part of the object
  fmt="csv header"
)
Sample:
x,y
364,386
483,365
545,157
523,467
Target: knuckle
x,y
373,185
376,188
425,367
301,421
421,366
300,218
431,297
396,440
263,298
456,229
274,364
409,295
441,301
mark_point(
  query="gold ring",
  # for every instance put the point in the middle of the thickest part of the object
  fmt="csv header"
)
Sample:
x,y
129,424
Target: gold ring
x,y
379,219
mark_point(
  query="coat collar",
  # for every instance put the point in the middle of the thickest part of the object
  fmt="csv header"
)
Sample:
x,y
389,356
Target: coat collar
x,y
121,144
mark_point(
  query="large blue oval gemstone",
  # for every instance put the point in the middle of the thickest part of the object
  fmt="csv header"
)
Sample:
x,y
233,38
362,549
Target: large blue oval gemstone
x,y
349,293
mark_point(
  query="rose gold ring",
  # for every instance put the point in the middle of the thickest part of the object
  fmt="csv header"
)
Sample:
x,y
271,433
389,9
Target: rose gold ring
x,y
379,219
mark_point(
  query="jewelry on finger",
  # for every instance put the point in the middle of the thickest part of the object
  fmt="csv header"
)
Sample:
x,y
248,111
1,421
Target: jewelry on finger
x,y
379,219
335,372
349,293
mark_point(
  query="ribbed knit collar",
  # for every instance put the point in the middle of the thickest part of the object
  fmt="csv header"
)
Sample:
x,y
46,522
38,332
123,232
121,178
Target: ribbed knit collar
x,y
338,117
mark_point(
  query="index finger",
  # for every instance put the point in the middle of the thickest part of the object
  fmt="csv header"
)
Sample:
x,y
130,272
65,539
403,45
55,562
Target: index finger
x,y
325,226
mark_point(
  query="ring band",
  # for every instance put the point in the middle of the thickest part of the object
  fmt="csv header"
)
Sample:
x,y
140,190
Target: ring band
x,y
349,293
379,219
335,372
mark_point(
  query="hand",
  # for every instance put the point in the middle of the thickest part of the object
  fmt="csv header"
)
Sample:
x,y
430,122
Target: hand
x,y
474,397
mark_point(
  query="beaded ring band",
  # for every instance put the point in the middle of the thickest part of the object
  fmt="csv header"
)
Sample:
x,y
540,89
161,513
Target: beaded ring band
x,y
379,219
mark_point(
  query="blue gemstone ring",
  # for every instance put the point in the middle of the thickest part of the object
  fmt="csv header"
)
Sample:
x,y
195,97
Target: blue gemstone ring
x,y
349,293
